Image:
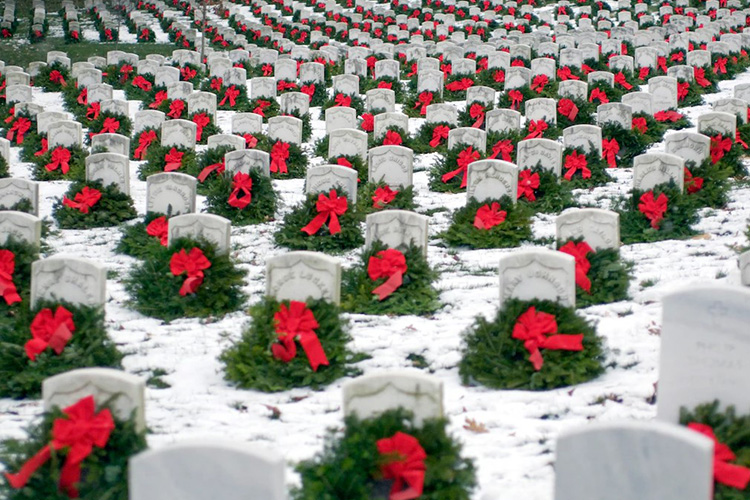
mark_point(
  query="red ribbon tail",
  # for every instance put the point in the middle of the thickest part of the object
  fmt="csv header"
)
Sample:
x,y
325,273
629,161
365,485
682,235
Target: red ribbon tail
x,y
314,351
564,342
536,359
206,172
390,286
451,175
731,475
191,284
8,291
479,122
239,202
334,226
19,479
315,225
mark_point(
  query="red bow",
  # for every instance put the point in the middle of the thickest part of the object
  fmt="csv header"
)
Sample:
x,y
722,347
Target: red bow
x,y
8,289
580,251
144,141
476,112
413,71
283,86
83,97
720,66
719,146
216,84
610,148
498,76
297,322
44,149
424,100
661,61
187,73
567,108
231,94
639,124
643,72
308,89
700,77
622,81
110,126
536,129
693,184
488,216
405,465
193,264
669,115
79,433
159,228
383,196
144,34
250,141
565,73
173,160
201,120
527,183
533,327
92,112
143,84
653,209
734,476
368,122
60,158
159,98
599,94
344,162
216,167
503,148
459,85
329,208
385,85
267,69
176,108
262,105
19,128
83,201
56,77
392,138
50,330
465,157
390,264
516,98
575,162
241,194
538,83
682,90
279,155
439,133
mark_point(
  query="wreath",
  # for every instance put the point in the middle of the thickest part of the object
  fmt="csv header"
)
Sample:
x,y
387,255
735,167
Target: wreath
x,y
61,163
208,168
187,279
445,177
143,140
288,161
456,86
415,103
515,99
16,257
542,190
141,88
727,150
354,101
89,346
631,143
662,213
708,183
492,356
583,170
53,77
317,91
391,136
431,139
226,197
500,224
89,204
143,240
160,158
350,466
266,359
363,294
19,129
265,107
574,111
376,196
206,126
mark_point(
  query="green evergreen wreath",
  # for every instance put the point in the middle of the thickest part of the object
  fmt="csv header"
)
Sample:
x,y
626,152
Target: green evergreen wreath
x,y
208,157
104,471
113,208
24,254
320,95
715,190
681,214
296,164
584,116
290,233
89,347
32,143
406,140
654,130
446,164
610,277
505,102
136,242
42,79
404,199
77,165
4,172
614,94
348,466
552,196
492,357
95,126
154,290
515,229
357,103
250,364
271,109
416,295
594,162
134,142
262,206
730,429
420,144
70,95
155,161
412,107
208,130
320,148
632,143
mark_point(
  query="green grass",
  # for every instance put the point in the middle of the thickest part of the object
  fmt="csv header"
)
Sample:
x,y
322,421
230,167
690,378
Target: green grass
x,y
22,55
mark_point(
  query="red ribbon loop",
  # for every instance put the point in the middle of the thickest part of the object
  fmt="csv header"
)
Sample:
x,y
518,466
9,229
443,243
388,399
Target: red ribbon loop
x,y
734,476
516,98
389,264
44,149
193,263
538,83
159,98
503,148
19,128
536,129
527,183
8,289
52,330
241,195
176,108
383,196
465,157
639,123
488,216
392,138
719,146
567,108
173,160
533,328
297,322
610,148
476,112
599,94
439,134
622,81
405,466
459,85
279,155
83,97
700,77
580,251
201,120
575,162
92,113
143,84
720,66
329,209
368,122
669,115
343,100
144,141
83,201
60,159
424,100
654,210
231,94
159,228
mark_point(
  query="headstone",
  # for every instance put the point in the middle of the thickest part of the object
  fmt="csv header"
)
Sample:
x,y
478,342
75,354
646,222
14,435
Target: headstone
x,y
213,228
347,142
326,177
247,123
340,117
381,99
733,107
544,152
573,89
541,108
20,226
664,92
688,145
583,136
615,113
397,229
491,180
109,168
65,133
202,101
171,193
302,276
384,121
503,120
468,136
113,143
149,118
442,113
538,274
77,281
653,169
599,228
13,191
285,128
392,165
246,160
639,102
178,133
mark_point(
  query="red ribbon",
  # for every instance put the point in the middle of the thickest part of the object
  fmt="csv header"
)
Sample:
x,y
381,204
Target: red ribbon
x,y
267,70
19,128
610,148
459,85
343,100
565,73
159,228
309,90
92,112
79,433
231,94
392,138
187,73
83,201
567,108
503,148
405,465
536,129
201,120
262,105
498,76
283,86
216,84
83,97
586,69
56,77
8,289
476,112
383,196
669,115
279,155
193,263
297,322
465,157
488,216
145,34
516,98
389,264
693,184
720,66
719,146
144,141
159,98
538,83
176,108
344,162
173,160
143,84
700,77
580,252
682,90
527,183
424,100
738,139
599,94
250,141
734,476
44,149
639,123
241,194
653,209
533,328
661,61
50,330
622,81
329,208
61,159
643,72
385,85
216,167
439,133
368,122
575,162
110,126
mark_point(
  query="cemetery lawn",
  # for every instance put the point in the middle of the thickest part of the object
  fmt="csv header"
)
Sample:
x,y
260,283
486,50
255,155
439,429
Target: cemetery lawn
x,y
21,54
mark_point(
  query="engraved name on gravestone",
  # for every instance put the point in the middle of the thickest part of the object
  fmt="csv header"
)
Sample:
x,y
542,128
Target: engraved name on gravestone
x,y
538,274
381,99
653,169
149,118
664,92
170,193
347,142
541,108
302,276
491,180
397,229
587,137
65,133
109,168
77,281
691,146
178,133
599,228
615,113
20,226
442,113
247,123
468,136
263,87
639,102
213,228
221,140
340,117
573,89
545,153
503,120
392,165
113,143
384,121
285,128
246,160
326,177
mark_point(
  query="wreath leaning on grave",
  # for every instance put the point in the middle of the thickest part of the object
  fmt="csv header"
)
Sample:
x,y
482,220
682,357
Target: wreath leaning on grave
x,y
187,279
504,353
53,338
167,159
267,357
144,238
61,163
662,213
374,197
489,224
242,198
380,456
16,257
542,191
89,204
732,447
389,281
103,471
